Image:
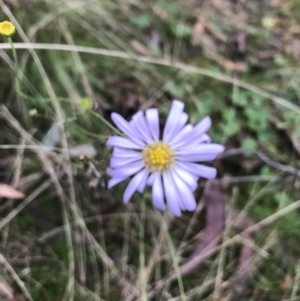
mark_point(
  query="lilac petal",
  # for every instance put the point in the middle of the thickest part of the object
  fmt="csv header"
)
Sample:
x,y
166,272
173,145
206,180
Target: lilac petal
x,y
150,180
126,170
114,181
204,139
140,125
122,142
203,171
137,114
203,125
172,120
133,185
143,182
125,127
171,195
197,158
119,150
177,139
125,153
158,193
189,178
197,131
182,119
199,153
201,149
180,201
118,162
153,122
185,193
133,125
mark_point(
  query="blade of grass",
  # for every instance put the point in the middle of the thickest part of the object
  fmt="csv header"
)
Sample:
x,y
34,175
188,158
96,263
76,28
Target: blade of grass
x,y
163,62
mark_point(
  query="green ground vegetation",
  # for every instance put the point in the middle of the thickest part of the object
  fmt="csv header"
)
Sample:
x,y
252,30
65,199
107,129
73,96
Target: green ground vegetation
x,y
73,239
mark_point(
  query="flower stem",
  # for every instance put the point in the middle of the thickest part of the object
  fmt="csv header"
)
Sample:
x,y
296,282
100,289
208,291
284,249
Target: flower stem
x,y
19,92
16,62
106,122
143,276
174,258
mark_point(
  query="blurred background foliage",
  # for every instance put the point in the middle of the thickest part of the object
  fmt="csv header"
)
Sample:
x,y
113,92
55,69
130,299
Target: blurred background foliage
x,y
236,61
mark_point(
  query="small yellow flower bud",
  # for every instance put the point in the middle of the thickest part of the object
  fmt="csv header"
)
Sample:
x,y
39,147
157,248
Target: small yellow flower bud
x,y
269,22
7,28
86,103
32,112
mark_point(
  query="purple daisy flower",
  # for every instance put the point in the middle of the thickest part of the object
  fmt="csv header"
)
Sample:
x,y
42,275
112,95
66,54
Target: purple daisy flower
x,y
167,162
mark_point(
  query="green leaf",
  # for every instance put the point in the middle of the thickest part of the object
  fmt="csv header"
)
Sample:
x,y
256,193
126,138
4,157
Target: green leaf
x,y
249,143
266,171
257,119
231,126
141,21
176,88
240,99
181,31
280,60
208,106
282,199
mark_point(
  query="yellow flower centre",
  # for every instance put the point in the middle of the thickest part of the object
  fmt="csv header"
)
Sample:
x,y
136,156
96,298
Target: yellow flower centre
x,y
7,28
158,156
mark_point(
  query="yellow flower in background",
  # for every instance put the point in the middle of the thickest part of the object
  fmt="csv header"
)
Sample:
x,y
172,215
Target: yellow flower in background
x,y
86,103
269,22
7,28
32,112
